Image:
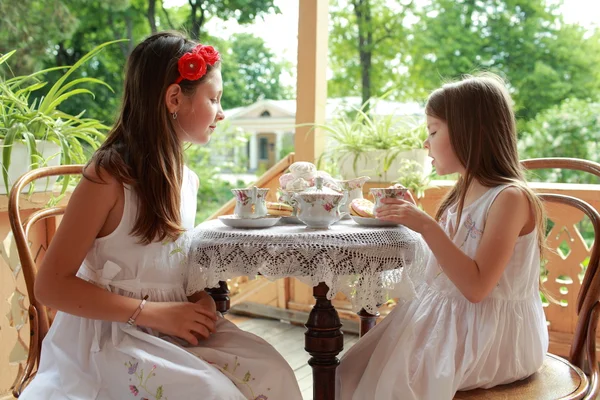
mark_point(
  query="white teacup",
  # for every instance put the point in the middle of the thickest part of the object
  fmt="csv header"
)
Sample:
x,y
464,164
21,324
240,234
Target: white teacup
x,y
250,203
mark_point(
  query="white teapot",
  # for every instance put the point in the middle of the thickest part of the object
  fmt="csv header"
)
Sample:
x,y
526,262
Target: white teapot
x,y
319,206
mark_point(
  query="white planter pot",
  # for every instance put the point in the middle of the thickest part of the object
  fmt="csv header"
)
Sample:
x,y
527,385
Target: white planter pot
x,y
371,164
20,163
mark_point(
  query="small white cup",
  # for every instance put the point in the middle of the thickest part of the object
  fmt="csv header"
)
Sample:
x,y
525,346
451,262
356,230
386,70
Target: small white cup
x,y
250,203
386,193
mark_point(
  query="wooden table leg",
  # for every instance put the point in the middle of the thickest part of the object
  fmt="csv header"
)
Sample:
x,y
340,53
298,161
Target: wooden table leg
x,y
367,321
221,297
323,341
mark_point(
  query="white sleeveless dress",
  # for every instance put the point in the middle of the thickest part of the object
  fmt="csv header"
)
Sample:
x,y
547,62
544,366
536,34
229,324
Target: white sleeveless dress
x,y
438,343
84,359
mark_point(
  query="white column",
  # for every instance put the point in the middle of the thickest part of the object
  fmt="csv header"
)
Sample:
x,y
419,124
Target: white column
x,y
253,159
278,144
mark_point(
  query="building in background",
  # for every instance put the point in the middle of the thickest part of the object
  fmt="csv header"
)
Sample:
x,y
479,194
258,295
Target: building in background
x,y
270,127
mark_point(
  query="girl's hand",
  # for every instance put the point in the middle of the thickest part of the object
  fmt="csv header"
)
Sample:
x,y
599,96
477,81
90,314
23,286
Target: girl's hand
x,y
201,295
404,212
189,321
205,299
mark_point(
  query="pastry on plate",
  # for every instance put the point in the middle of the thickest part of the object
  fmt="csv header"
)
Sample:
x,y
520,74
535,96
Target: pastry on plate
x,y
279,209
362,208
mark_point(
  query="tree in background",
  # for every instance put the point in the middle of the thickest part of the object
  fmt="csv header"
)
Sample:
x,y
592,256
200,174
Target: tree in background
x,y
244,11
250,72
416,49
100,21
570,129
544,59
28,26
213,191
368,46
570,68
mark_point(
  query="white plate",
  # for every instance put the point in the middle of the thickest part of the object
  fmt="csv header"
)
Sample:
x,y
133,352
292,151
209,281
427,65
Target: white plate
x,y
249,223
291,220
372,221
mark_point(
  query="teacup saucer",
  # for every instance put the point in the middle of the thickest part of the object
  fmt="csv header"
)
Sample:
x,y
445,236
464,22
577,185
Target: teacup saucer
x,y
372,221
249,223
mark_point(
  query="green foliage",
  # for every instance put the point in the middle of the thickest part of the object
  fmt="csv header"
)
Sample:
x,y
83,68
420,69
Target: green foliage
x,y
545,60
213,191
570,129
411,176
352,137
52,33
287,146
243,11
567,68
100,21
251,71
27,119
389,46
27,26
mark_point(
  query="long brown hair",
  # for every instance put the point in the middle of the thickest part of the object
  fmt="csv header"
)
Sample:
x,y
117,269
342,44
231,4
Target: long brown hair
x,y
142,149
483,135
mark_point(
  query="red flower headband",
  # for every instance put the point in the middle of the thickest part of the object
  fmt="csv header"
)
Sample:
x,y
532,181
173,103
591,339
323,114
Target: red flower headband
x,y
192,65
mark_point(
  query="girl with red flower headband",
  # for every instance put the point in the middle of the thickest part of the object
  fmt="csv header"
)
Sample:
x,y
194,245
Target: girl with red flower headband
x,y
116,269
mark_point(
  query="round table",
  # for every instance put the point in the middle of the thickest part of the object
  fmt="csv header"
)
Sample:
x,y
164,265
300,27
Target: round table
x,y
368,264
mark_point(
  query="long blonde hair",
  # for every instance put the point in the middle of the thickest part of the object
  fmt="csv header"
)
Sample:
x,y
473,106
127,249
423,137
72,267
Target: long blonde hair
x,y
483,135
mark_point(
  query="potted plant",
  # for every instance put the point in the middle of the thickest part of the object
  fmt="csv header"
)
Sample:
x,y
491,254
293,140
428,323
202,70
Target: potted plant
x,y
35,133
412,177
374,145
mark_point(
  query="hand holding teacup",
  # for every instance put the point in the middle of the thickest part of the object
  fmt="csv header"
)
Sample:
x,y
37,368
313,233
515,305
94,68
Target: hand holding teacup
x,y
392,192
407,194
396,205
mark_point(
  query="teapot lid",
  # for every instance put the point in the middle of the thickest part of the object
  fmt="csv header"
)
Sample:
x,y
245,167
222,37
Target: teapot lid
x,y
319,188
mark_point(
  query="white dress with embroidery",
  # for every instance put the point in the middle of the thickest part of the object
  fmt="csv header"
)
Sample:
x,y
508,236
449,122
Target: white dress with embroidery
x,y
84,359
438,343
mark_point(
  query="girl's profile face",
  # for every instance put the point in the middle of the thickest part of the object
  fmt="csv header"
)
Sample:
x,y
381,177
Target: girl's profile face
x,y
440,149
199,114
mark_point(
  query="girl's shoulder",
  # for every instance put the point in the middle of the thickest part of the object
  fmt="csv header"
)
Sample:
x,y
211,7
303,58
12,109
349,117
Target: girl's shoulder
x,y
98,179
512,205
100,176
508,196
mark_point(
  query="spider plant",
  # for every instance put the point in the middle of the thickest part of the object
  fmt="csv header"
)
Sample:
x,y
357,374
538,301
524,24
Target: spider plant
x,y
358,136
28,119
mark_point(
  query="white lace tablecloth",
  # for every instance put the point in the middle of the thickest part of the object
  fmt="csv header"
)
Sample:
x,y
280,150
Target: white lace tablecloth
x,y
368,264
